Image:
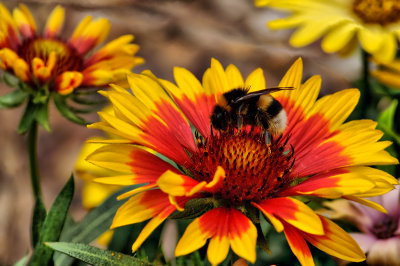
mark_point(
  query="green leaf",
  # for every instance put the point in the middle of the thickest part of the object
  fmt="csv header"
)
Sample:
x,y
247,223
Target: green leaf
x,y
85,101
11,80
42,115
386,122
39,215
22,261
13,99
95,223
28,117
53,225
61,104
96,256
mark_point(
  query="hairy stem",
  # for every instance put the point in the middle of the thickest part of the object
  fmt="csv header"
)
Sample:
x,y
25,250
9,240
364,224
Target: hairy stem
x,y
33,163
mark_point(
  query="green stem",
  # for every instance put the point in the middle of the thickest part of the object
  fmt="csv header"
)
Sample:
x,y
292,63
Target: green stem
x,y
366,90
33,163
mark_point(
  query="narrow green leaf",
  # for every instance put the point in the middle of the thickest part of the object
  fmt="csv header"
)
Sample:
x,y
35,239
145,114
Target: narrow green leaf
x,y
96,256
386,122
95,223
61,103
39,215
11,80
22,261
13,99
387,117
88,101
28,117
53,225
42,115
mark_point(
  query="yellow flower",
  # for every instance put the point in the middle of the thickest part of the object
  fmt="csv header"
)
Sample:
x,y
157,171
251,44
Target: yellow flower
x,y
93,194
374,23
47,59
388,73
233,176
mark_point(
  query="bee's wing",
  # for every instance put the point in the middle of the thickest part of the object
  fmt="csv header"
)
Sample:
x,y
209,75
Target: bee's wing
x,y
261,92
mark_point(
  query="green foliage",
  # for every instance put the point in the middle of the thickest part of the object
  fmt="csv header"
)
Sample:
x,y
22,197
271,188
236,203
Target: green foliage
x,y
96,256
13,99
61,103
53,225
34,111
386,124
39,215
22,261
386,121
92,225
27,118
11,80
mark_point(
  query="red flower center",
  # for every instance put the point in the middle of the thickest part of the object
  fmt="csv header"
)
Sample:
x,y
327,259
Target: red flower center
x,y
254,170
67,58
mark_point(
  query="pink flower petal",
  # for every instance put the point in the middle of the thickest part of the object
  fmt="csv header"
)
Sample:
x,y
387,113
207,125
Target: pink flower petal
x,y
365,241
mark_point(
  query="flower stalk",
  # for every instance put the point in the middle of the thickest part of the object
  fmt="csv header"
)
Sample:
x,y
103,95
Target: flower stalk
x,y
33,162
366,92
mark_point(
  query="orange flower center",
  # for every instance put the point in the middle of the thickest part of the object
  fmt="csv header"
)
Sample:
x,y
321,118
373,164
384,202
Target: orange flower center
x,y
385,228
67,58
254,170
382,12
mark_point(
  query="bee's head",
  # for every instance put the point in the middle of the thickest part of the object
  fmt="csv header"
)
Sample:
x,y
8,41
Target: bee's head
x,y
219,118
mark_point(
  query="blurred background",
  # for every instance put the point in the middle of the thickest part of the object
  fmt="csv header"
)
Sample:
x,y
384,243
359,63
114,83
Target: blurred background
x,y
170,33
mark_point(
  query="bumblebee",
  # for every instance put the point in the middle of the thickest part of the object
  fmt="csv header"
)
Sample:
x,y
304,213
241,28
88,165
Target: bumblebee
x,y
238,107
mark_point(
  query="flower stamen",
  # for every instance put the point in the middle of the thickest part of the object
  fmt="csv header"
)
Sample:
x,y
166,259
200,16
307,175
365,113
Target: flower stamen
x,y
254,170
382,12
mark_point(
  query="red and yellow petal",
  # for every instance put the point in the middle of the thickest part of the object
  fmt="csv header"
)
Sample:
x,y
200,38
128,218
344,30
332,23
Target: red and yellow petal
x,y
152,225
359,142
293,212
140,166
24,21
155,126
9,36
42,70
89,33
116,48
198,102
68,81
226,227
333,184
54,23
21,70
336,242
7,58
177,184
141,207
327,114
298,245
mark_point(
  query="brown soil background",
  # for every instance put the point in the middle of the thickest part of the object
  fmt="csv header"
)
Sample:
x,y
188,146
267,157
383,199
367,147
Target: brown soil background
x,y
170,33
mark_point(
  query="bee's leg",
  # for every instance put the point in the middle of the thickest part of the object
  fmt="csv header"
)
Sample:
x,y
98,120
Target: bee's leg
x,y
267,137
240,117
262,118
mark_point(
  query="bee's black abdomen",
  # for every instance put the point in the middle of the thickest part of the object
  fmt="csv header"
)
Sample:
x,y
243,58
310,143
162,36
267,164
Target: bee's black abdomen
x,y
274,108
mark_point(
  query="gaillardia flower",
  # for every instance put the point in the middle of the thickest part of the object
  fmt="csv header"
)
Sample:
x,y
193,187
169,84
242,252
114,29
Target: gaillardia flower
x,y
224,179
45,62
379,234
374,23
